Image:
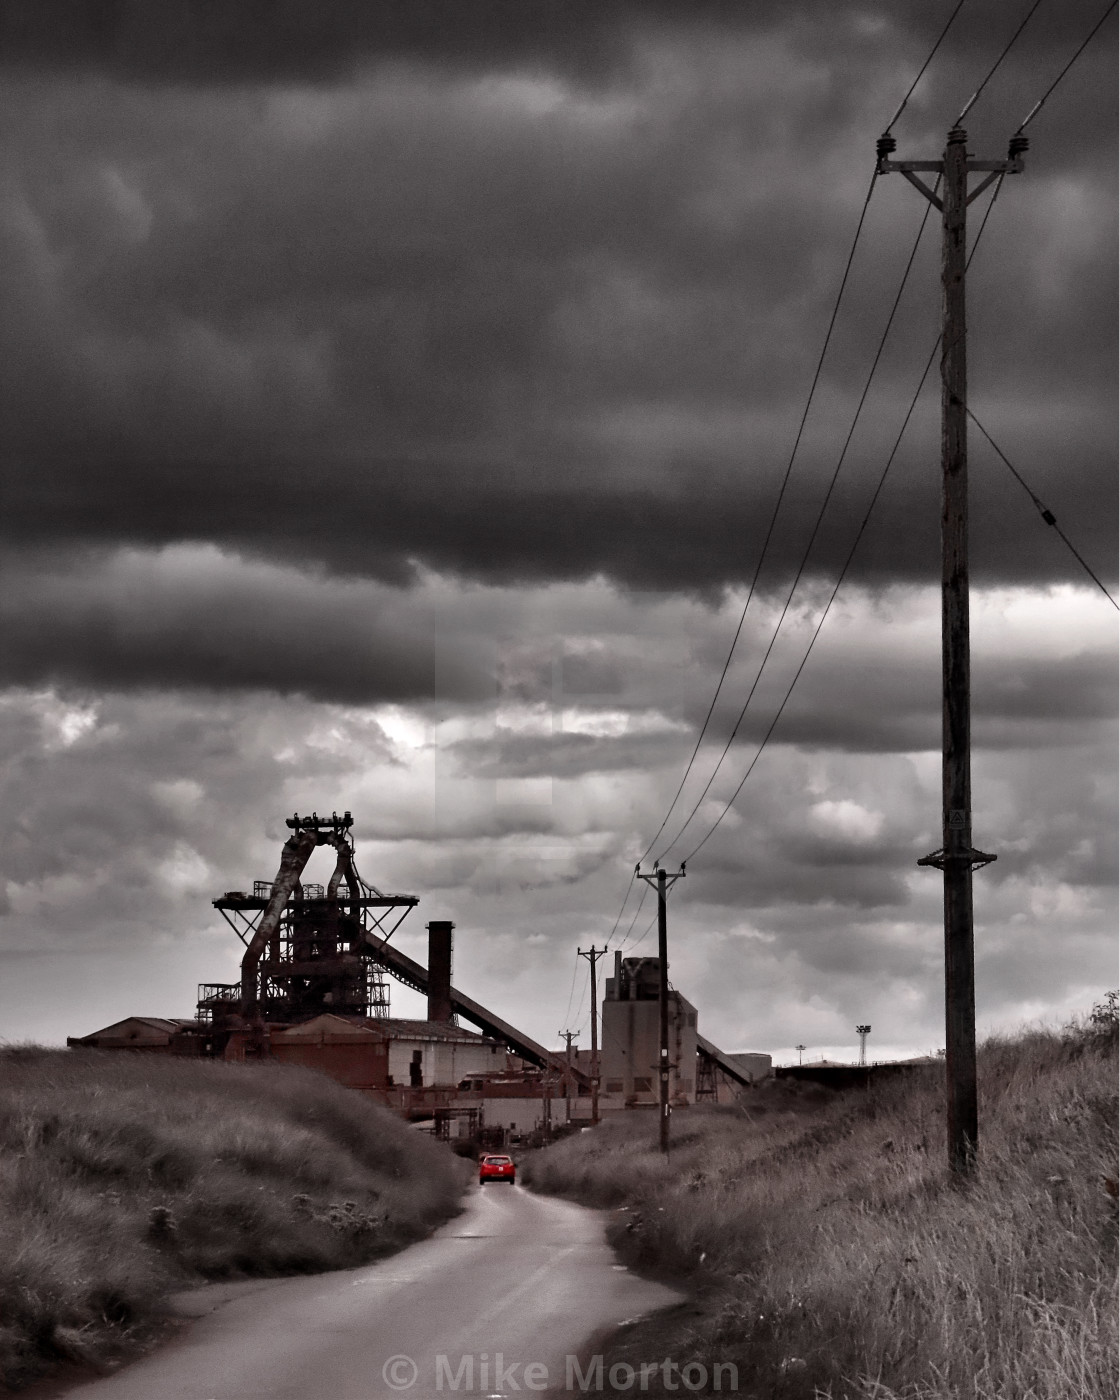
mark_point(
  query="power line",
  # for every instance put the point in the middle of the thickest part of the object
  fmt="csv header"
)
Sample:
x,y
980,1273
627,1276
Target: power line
x,y
607,941
629,927
815,531
851,553
641,938
972,100
1084,45
622,907
796,443
991,71
922,69
1047,515
1040,506
577,1018
572,989
774,516
645,934
817,630
637,911
634,920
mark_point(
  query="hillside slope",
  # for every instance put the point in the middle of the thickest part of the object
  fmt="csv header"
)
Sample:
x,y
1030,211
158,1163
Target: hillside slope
x,y
123,1177
830,1255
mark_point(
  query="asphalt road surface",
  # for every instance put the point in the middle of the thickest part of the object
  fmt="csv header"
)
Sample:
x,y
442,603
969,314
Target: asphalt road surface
x,y
526,1276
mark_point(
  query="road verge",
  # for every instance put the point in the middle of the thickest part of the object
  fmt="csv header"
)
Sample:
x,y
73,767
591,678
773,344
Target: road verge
x,y
828,1254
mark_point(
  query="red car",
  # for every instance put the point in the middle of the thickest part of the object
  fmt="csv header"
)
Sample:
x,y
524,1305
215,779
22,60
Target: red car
x,y
495,1168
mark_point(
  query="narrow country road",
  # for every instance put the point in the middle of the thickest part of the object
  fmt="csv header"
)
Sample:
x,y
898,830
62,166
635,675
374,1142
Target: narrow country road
x,y
527,1276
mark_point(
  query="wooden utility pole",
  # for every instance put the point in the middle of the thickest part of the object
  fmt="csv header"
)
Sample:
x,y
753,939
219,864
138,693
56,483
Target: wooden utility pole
x,y
568,1036
664,884
593,955
956,858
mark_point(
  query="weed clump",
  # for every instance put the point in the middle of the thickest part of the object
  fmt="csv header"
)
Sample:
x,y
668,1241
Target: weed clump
x,y
125,1176
831,1256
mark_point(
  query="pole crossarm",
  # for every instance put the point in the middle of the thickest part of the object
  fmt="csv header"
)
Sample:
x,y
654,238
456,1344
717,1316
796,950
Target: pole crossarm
x,y
997,167
670,880
1013,165
660,877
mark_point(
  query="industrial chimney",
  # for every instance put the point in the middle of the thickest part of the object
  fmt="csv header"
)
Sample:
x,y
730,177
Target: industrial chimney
x,y
439,970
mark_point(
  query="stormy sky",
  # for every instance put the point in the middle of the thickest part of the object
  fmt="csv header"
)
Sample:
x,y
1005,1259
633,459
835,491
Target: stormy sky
x,y
396,400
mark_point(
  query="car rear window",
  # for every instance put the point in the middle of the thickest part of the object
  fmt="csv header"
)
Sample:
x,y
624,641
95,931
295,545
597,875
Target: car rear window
x,y
499,1161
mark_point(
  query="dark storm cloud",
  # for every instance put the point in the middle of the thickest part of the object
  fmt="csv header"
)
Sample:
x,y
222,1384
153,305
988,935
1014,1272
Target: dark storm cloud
x,y
191,618
199,41
524,333
383,519
247,40
599,680
874,706
770,863
195,42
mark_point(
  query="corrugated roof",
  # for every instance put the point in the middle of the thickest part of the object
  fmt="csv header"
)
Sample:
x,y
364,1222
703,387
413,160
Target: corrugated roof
x,y
431,1030
156,1022
326,1024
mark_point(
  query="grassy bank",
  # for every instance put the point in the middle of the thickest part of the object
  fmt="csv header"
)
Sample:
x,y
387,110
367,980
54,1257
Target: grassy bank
x,y
829,1255
123,1177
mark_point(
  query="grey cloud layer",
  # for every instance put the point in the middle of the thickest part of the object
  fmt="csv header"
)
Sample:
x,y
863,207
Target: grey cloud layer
x,y
199,619
195,617
522,330
136,811
183,41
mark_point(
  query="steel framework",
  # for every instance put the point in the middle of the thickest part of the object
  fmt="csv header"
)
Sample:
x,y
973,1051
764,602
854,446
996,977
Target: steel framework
x,y
315,951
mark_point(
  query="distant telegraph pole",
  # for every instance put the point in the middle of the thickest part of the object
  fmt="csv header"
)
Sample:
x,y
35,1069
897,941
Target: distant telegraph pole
x,y
664,884
568,1037
800,1051
956,858
593,955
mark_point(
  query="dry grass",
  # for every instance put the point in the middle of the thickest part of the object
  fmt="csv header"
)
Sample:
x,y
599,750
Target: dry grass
x,y
125,1176
829,1255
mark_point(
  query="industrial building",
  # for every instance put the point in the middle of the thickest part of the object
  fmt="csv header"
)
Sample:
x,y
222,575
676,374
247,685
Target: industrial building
x,y
314,991
385,1054
631,1038
159,1034
631,1027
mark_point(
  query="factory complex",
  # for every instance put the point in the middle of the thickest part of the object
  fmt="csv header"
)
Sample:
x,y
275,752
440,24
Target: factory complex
x,y
314,991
